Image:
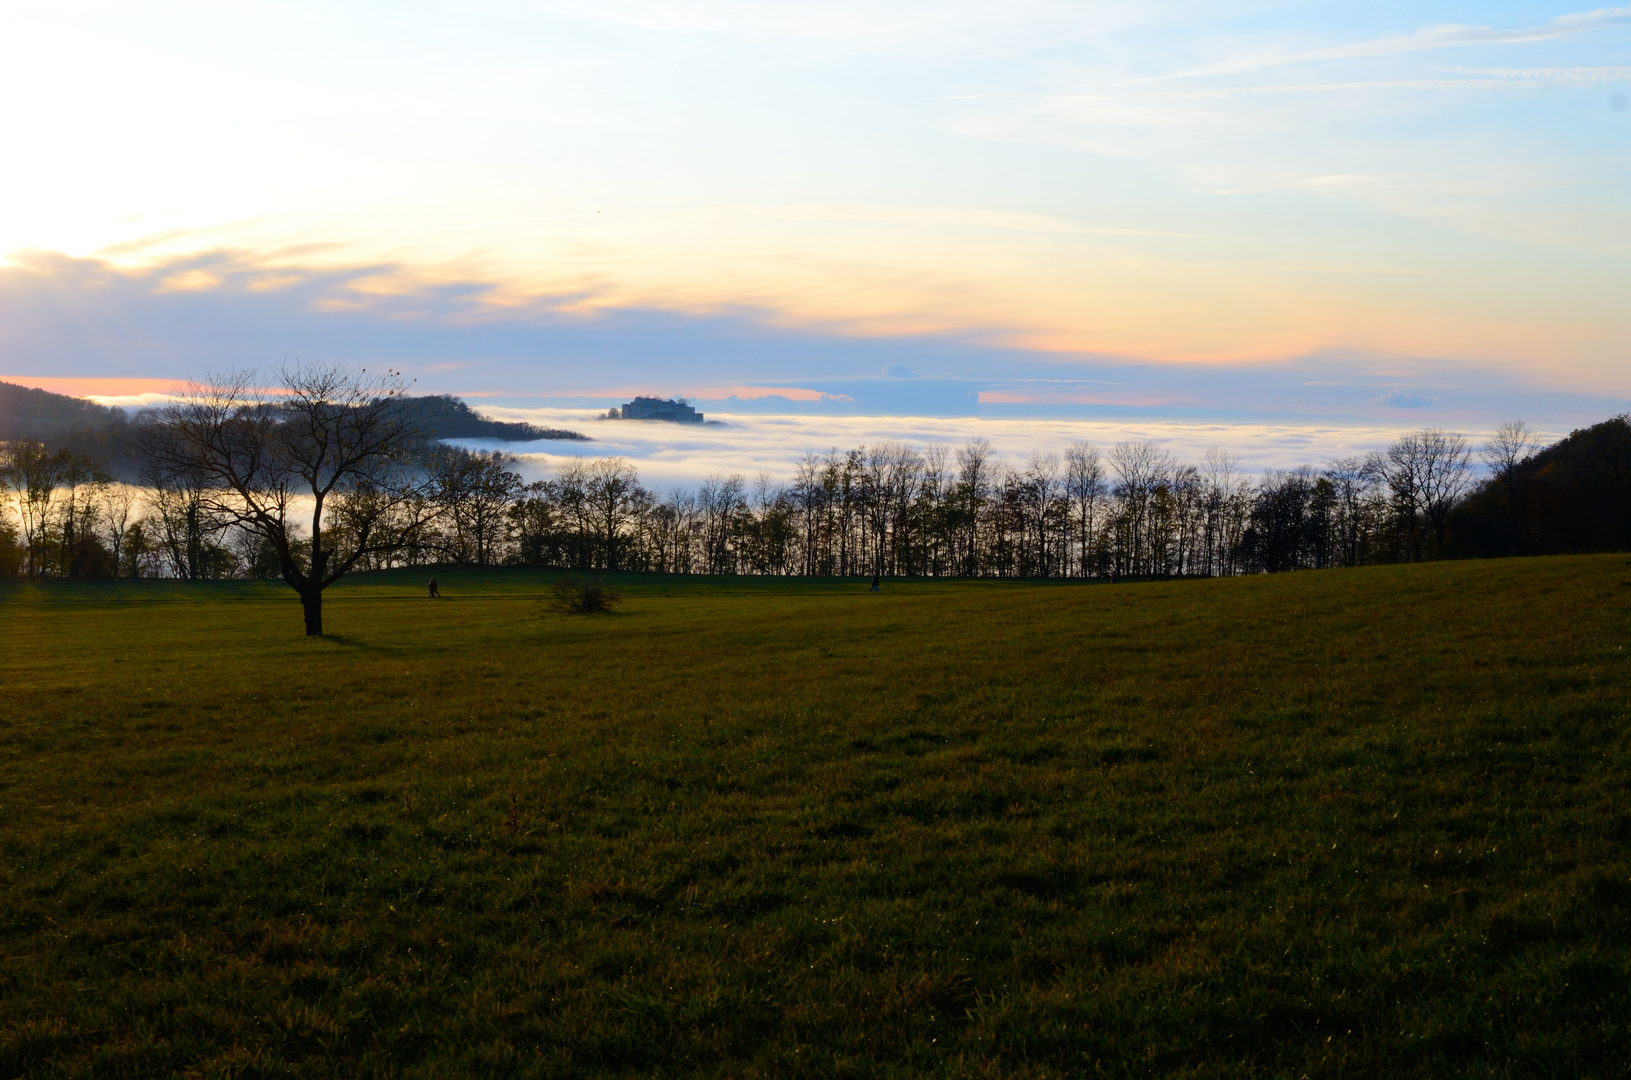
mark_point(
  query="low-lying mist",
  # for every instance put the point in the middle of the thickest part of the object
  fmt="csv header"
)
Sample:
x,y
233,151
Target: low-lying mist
x,y
670,455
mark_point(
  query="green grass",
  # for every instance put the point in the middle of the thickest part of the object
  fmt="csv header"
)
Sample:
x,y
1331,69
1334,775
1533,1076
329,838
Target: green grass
x,y
1353,823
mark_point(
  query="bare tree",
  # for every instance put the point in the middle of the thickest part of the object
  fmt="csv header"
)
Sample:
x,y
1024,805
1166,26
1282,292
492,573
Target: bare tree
x,y
808,495
1277,536
613,495
974,468
1223,509
54,493
1142,470
684,531
1042,487
80,550
720,503
1428,471
664,534
473,492
331,440
891,473
1186,518
1508,449
31,475
571,491
1446,477
1353,486
929,510
1403,467
187,524
119,509
1084,485
1512,444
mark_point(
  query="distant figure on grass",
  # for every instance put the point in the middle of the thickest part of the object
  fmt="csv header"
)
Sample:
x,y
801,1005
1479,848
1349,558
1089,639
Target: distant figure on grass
x,y
433,590
875,580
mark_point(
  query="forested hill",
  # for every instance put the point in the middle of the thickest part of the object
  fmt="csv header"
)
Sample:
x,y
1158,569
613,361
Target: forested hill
x,y
66,423
30,413
84,427
448,417
1572,496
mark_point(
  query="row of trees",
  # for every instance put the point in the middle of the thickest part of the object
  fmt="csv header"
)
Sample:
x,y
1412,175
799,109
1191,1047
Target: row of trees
x,y
67,518
896,510
888,508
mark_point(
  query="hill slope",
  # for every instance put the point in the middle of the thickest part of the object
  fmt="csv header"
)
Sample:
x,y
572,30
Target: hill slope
x,y
86,427
448,417
26,412
1572,496
1346,822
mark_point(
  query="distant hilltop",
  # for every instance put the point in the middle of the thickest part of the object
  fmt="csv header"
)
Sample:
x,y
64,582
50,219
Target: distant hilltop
x,y
443,416
108,435
675,411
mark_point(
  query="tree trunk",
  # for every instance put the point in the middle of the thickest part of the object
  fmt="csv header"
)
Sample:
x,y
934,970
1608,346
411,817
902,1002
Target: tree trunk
x,y
313,604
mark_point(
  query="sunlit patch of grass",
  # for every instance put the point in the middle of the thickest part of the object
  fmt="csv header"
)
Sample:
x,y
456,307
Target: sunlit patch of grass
x,y
1338,823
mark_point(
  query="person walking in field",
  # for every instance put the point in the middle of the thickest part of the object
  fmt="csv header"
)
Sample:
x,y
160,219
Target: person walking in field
x,y
433,590
875,582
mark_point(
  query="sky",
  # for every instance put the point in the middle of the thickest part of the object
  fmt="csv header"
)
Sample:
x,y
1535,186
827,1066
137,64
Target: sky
x,y
1256,216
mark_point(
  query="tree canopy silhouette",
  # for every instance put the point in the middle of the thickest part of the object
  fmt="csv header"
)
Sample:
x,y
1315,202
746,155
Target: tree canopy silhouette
x,y
329,449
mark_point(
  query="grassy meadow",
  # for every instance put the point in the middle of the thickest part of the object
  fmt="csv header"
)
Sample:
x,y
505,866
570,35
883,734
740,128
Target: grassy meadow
x,y
1353,823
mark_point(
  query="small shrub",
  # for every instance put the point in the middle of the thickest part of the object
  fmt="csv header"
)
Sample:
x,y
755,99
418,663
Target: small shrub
x,y
575,596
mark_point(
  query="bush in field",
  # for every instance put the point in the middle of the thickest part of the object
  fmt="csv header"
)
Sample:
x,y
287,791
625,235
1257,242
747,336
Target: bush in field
x,y
576,596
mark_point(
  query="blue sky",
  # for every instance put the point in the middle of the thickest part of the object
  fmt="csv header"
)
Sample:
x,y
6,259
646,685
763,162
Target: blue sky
x,y
1380,212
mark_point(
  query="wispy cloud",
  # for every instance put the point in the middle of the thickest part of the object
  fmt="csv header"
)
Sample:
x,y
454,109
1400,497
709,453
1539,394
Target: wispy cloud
x,y
1453,36
962,217
1369,122
1399,399
1571,76
913,25
1462,85
1426,39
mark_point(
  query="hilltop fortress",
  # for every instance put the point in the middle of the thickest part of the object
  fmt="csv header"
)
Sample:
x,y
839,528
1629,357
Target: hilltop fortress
x,y
649,408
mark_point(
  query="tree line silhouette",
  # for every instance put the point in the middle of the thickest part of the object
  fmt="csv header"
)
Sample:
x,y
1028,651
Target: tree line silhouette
x,y
1131,510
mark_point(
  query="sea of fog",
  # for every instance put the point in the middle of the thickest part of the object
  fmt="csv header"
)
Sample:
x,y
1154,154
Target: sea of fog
x,y
675,455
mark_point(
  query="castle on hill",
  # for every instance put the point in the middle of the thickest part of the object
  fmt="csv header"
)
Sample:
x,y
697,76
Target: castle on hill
x,y
650,408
